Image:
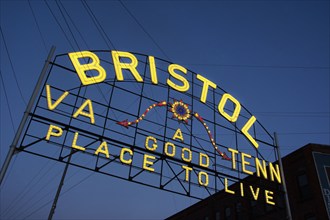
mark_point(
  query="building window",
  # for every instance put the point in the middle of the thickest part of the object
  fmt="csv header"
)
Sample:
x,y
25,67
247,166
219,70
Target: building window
x,y
253,207
304,189
217,215
269,208
239,208
310,217
227,213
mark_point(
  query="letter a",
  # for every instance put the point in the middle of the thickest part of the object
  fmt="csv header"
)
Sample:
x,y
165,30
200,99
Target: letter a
x,y
103,148
89,114
83,68
178,135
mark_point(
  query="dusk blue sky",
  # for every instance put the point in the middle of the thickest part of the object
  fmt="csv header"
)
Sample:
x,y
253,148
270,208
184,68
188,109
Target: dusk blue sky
x,y
273,56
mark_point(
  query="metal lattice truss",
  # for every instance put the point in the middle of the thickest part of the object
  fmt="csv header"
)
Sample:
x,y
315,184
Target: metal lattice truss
x,y
158,145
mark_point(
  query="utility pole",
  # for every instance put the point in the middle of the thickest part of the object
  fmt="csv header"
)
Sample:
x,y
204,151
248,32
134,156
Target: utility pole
x,y
28,109
288,209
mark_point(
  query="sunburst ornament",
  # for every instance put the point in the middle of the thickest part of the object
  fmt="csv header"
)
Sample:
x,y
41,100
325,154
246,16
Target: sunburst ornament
x,y
180,111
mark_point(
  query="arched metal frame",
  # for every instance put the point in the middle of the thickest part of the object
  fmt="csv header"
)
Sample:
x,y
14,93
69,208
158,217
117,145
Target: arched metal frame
x,y
115,101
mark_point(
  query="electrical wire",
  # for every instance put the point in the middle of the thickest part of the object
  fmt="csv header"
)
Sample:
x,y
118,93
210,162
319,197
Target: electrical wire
x,y
282,133
113,47
32,183
38,27
97,24
68,26
106,40
9,172
144,30
12,67
59,5
16,79
149,35
7,102
305,133
63,193
295,114
68,15
11,117
22,211
38,209
260,66
58,23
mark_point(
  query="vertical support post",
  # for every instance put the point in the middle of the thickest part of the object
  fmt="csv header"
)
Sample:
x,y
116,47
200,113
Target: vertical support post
x,y
28,109
59,189
287,204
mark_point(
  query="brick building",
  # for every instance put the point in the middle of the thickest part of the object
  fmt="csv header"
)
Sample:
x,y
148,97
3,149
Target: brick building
x,y
307,175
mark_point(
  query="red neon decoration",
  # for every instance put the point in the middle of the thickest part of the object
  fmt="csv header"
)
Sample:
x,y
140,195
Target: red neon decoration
x,y
181,112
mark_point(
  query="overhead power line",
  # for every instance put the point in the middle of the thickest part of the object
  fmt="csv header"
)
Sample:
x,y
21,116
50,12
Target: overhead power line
x,y
295,114
69,189
7,102
98,25
38,27
328,113
58,23
68,26
305,133
72,22
260,66
144,30
12,67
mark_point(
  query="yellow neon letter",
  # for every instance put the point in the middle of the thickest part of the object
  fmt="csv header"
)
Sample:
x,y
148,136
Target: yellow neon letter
x,y
103,148
154,145
275,172
244,162
166,149
221,107
116,55
178,135
245,131
147,163
226,187
261,168
269,197
206,84
189,154
242,189
89,114
207,161
200,174
188,169
185,82
255,194
81,69
52,133
233,157
52,106
153,72
122,152
74,143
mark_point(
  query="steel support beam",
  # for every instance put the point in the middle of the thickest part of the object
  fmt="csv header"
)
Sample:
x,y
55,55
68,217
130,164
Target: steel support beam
x,y
28,109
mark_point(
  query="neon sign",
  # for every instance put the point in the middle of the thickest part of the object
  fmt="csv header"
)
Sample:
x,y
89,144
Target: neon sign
x,y
149,121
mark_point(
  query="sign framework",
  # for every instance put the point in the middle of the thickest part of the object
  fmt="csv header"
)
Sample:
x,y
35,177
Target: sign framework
x,y
187,135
